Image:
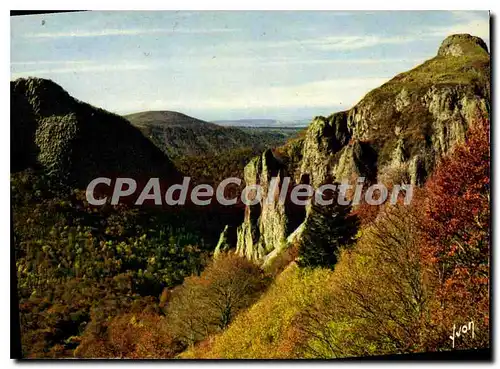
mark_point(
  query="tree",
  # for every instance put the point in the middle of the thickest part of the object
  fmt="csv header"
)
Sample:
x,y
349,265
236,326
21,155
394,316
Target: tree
x,y
234,283
208,303
380,296
186,312
457,229
133,335
327,228
417,270
72,259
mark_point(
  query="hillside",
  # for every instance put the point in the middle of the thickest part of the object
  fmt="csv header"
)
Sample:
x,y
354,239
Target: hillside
x,y
78,264
397,133
74,142
271,280
414,272
180,135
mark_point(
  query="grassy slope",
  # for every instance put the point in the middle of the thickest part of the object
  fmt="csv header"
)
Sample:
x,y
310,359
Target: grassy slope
x,y
469,72
267,329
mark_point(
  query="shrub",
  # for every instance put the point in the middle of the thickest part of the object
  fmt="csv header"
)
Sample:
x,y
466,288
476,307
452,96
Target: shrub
x,y
268,329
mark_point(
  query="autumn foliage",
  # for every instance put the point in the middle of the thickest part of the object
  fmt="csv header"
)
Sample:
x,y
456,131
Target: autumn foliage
x,y
411,273
208,303
132,336
457,230
415,272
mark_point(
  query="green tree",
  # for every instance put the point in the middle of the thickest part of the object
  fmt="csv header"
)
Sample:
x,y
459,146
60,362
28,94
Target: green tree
x,y
326,229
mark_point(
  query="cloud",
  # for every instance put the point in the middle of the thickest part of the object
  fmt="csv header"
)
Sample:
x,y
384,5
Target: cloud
x,y
365,66
323,43
46,67
125,32
342,61
345,92
347,42
52,62
86,67
467,23
337,43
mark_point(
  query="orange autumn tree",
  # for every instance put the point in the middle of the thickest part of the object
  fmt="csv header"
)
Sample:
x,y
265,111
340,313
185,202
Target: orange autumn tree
x,y
457,228
206,304
139,335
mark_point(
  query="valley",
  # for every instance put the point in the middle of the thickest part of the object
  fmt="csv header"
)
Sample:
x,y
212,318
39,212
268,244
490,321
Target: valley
x,y
269,279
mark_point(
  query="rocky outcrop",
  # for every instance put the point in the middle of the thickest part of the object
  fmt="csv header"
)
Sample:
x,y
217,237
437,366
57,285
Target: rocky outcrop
x,y
325,137
223,245
74,142
458,45
265,224
396,133
452,108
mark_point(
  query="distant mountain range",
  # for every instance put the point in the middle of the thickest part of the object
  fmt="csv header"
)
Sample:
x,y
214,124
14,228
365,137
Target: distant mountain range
x,y
250,122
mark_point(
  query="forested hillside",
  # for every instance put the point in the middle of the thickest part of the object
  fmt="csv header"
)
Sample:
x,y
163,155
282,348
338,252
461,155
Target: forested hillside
x,y
179,135
335,281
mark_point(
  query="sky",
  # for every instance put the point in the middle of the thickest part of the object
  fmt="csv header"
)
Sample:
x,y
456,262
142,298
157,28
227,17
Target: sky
x,y
213,65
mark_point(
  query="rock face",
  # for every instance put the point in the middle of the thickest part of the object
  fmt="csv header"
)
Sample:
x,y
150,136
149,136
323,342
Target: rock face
x,y
458,45
397,132
74,142
265,223
325,137
223,244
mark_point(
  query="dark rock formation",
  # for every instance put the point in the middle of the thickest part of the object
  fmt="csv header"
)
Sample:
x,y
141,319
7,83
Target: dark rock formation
x,y
74,142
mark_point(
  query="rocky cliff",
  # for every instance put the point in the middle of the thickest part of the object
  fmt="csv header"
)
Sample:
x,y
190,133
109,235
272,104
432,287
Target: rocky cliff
x,y
396,133
265,224
74,142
